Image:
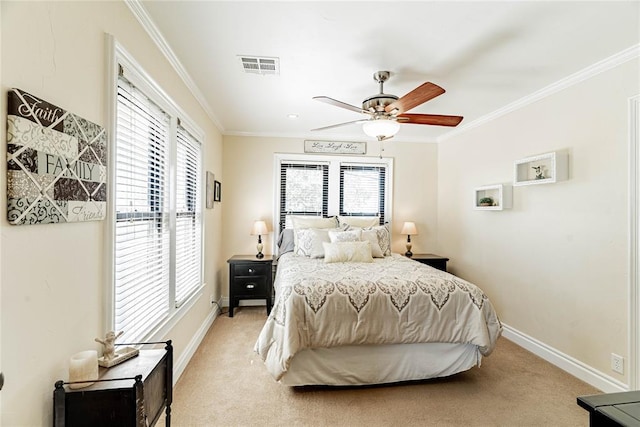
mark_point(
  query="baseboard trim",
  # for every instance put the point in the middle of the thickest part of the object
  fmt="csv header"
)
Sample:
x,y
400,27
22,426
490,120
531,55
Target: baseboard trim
x,y
565,362
181,364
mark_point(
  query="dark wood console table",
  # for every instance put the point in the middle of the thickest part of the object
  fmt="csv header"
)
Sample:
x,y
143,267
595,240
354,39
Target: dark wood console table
x,y
612,409
132,393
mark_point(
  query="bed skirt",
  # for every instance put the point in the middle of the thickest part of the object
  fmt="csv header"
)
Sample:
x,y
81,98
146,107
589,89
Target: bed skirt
x,y
379,364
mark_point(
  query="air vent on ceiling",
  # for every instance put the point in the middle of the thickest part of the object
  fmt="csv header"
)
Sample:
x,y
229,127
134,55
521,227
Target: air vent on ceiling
x,y
260,65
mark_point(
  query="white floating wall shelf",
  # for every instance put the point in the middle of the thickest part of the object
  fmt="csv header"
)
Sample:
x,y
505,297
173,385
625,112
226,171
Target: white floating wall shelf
x,y
546,168
500,195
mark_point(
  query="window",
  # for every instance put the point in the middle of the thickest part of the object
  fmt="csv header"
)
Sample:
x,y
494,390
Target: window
x,y
304,190
362,190
323,185
188,216
157,230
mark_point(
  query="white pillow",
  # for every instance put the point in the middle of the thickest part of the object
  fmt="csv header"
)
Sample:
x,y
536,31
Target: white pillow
x,y
306,221
345,236
359,221
310,242
372,237
301,222
347,252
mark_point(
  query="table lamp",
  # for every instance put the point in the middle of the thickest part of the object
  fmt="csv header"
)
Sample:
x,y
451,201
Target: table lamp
x,y
259,228
409,228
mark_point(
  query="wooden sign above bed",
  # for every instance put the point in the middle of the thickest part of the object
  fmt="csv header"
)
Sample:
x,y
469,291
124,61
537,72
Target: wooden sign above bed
x,y
335,147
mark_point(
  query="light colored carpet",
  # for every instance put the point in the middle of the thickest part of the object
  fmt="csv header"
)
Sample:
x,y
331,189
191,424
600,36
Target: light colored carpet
x,y
226,384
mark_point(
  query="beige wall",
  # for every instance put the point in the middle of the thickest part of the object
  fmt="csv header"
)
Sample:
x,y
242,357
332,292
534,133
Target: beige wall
x,y
556,265
248,190
52,276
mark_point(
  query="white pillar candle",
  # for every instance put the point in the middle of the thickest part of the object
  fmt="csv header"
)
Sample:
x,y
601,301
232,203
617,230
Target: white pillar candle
x,y
83,366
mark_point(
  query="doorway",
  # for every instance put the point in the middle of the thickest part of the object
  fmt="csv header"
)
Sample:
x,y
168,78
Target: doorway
x,y
634,243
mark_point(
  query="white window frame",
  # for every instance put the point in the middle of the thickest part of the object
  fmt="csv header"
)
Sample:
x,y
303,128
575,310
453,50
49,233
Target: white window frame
x,y
334,163
117,56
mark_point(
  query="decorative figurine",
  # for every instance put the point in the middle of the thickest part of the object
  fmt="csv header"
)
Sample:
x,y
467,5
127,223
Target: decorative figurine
x,y
108,343
539,173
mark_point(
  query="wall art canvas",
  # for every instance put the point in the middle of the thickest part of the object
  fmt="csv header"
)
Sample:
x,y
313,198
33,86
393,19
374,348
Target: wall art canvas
x,y
210,179
56,163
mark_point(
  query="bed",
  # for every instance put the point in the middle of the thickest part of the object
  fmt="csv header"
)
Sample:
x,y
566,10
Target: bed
x,y
382,320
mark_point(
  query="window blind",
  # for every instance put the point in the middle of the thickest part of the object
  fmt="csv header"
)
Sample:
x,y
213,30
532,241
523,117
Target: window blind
x,y
304,190
188,216
142,234
362,190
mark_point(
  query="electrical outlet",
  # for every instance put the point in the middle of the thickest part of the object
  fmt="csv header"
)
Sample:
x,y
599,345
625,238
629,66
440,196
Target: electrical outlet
x,y
617,363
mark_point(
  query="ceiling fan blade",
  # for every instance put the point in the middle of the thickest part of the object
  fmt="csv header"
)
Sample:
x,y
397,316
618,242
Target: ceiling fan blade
x,y
341,104
419,95
340,124
429,119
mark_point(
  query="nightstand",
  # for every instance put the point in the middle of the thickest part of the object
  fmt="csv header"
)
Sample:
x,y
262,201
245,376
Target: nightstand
x,y
250,278
435,261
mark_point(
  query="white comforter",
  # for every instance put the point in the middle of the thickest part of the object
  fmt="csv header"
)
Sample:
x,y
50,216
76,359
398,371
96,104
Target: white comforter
x,y
392,300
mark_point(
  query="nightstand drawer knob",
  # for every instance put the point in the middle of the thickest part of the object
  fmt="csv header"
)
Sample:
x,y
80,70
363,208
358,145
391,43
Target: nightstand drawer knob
x,y
251,271
250,285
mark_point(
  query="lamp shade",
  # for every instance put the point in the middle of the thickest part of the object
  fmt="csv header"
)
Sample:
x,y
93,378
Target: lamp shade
x,y
380,128
409,228
259,227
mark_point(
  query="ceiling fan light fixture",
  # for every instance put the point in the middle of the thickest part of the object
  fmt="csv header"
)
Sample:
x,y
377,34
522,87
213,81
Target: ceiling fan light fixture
x,y
378,128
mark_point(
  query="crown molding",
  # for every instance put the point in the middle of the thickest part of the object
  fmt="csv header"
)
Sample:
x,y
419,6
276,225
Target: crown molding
x,y
606,64
143,18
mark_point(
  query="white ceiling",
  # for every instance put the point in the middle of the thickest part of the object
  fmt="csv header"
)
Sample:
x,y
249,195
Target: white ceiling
x,y
485,54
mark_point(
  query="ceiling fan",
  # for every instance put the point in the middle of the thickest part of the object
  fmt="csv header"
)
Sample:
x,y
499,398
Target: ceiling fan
x,y
386,112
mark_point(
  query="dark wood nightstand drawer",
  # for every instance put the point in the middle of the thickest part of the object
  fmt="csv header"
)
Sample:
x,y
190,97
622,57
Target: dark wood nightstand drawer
x,y
250,286
252,269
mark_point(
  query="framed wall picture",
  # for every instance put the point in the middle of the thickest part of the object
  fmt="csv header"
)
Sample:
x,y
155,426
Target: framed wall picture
x,y
210,189
216,191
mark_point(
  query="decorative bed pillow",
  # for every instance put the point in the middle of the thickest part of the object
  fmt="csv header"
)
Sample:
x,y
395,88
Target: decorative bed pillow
x,y
345,236
310,242
372,237
306,221
303,222
359,221
347,252
384,238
